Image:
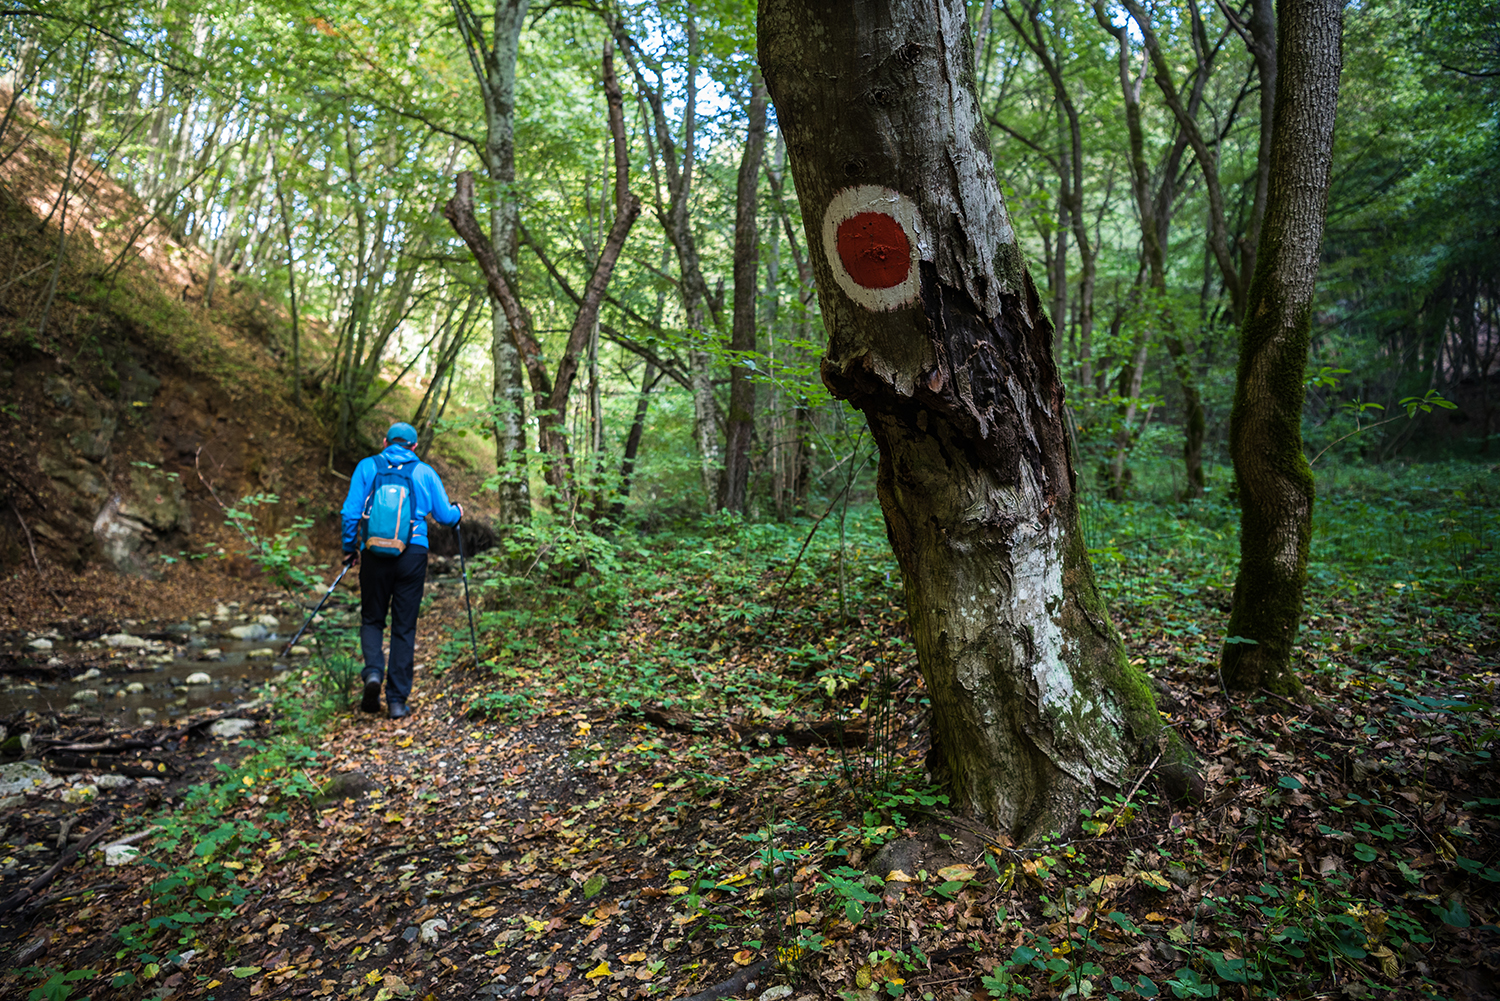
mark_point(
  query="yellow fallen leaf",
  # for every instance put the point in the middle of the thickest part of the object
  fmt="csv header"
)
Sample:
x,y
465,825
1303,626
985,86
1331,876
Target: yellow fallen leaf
x,y
1154,916
214,983
1155,880
393,817
957,873
676,891
730,880
897,876
636,957
602,970
374,977
486,912
744,957
406,742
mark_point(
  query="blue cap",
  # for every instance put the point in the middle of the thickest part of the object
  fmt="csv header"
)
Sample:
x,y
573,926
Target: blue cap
x,y
402,432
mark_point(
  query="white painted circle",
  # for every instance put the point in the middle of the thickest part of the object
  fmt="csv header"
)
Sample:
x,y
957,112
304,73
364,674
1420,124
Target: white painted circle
x,y
873,201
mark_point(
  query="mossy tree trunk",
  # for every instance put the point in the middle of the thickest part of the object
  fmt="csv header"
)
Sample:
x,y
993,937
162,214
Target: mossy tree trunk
x,y
936,334
1265,440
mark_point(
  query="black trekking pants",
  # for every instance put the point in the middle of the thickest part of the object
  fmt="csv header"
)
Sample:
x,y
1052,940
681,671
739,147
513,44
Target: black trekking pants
x,y
392,586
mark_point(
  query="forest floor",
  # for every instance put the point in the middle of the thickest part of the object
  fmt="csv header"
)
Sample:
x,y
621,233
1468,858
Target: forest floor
x,y
708,782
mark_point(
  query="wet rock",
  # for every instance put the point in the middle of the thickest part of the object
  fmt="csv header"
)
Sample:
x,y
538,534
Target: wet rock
x,y
299,651
88,675
211,653
262,654
230,728
40,644
199,678
135,688
125,641
269,621
109,780
431,928
23,776
54,662
86,695
146,712
252,631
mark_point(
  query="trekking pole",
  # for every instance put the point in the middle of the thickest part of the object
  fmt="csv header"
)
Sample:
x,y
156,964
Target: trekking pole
x,y
315,612
463,568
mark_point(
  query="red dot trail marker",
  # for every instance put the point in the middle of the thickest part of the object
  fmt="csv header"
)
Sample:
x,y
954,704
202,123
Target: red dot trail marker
x,y
870,238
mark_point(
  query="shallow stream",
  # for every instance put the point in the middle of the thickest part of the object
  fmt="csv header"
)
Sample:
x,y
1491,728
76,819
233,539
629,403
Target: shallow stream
x,y
138,671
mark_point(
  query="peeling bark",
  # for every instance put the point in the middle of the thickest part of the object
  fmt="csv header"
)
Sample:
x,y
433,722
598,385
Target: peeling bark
x,y
1035,711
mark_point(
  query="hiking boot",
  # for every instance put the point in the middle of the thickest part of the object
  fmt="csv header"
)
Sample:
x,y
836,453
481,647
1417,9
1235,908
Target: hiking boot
x,y
372,677
398,710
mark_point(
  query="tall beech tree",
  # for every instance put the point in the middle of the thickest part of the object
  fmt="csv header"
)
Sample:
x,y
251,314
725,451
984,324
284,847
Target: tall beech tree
x,y
1265,439
936,333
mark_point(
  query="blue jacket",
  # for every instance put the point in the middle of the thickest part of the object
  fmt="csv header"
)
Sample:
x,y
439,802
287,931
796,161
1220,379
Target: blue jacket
x,y
427,489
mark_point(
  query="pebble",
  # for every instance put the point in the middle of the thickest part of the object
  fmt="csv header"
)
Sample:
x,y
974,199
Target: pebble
x,y
253,631
299,651
431,928
86,695
40,644
212,653
146,712
54,662
88,675
200,678
260,654
125,641
269,621
109,780
228,728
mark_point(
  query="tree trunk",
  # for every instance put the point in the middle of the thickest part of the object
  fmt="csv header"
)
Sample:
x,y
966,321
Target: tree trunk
x,y
937,335
741,423
494,63
1271,471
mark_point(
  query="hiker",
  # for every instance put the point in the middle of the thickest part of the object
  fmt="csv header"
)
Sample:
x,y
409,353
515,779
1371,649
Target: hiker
x,y
385,520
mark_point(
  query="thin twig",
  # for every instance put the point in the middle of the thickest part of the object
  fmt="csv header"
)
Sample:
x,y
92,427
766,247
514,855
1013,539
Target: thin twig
x,y
36,562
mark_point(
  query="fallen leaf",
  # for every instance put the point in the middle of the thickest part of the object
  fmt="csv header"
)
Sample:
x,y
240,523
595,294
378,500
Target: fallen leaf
x,y
602,970
744,957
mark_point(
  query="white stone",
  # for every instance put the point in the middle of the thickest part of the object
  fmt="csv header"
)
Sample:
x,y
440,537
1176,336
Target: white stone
x,y
120,854
269,621
431,928
253,631
230,727
776,993
145,712
23,776
212,653
261,654
86,695
135,688
88,675
109,780
54,662
200,678
299,651
40,644
221,609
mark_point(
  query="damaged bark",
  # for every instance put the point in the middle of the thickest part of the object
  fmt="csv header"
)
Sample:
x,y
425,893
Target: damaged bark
x,y
937,335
